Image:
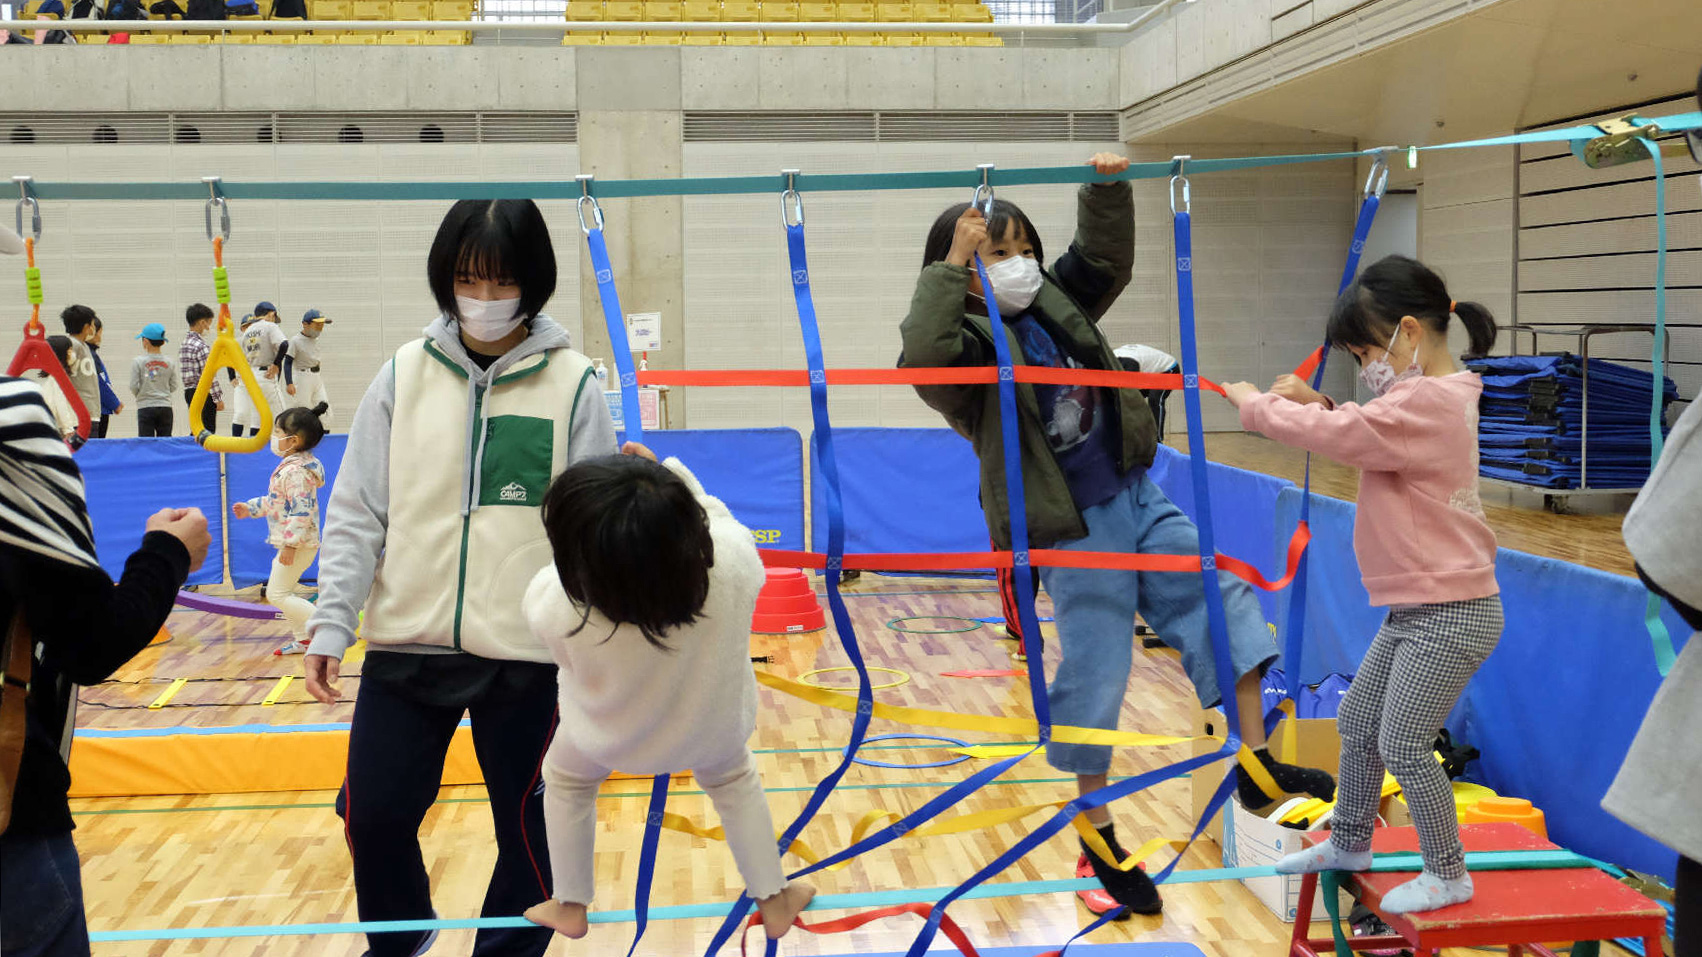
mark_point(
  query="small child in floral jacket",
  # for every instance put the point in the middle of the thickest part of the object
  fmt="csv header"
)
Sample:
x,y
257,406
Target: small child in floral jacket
x,y
291,510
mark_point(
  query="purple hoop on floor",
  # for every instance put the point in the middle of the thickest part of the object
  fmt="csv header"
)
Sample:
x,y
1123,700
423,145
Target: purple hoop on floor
x,y
913,737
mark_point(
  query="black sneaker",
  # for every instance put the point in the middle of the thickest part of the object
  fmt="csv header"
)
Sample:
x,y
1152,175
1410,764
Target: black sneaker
x,y
1132,888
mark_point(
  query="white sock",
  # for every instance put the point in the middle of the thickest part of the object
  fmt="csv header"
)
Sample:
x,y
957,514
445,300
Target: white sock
x,y
1324,857
1427,892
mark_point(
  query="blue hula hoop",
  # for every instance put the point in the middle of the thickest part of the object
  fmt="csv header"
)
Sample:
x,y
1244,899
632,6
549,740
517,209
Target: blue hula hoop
x,y
913,737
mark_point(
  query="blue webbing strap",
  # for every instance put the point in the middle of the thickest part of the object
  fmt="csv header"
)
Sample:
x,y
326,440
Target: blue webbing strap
x,y
822,437
1373,199
632,416
647,859
1659,637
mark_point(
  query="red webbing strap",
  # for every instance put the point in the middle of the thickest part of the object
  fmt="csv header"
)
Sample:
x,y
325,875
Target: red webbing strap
x,y
956,375
948,926
1045,557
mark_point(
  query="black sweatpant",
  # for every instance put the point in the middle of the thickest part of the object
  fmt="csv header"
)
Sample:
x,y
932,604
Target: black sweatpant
x,y
153,423
1687,908
209,413
397,744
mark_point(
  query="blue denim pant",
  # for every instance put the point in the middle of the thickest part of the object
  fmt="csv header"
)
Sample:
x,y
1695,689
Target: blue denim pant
x,y
41,897
1095,611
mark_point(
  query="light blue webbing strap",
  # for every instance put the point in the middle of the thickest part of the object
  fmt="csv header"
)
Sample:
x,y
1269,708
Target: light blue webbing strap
x,y
632,416
1659,637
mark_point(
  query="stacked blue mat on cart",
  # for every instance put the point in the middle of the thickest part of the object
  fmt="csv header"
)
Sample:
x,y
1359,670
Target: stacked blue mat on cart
x,y
1532,424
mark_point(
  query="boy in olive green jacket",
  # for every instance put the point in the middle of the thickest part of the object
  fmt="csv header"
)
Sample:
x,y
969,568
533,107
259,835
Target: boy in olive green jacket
x,y
1085,454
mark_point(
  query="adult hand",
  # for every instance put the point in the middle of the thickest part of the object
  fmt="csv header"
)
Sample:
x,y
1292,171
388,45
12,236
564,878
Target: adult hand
x,y
1108,164
219,406
188,526
119,410
971,234
1294,389
271,372
290,388
1239,392
322,671
638,449
239,509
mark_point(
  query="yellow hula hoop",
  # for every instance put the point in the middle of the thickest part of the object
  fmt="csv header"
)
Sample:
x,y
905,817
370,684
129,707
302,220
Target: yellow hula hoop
x,y
804,679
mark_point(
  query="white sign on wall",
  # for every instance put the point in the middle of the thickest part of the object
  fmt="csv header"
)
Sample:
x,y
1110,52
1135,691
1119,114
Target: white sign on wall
x,y
644,331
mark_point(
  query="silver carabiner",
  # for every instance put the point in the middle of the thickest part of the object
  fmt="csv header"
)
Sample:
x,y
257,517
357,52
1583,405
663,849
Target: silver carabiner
x,y
791,203
216,200
586,199
982,198
26,199
1378,179
1181,176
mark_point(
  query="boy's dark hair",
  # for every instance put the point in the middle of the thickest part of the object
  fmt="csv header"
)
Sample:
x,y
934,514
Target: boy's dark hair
x,y
631,541
504,239
196,313
76,319
1393,287
945,227
304,424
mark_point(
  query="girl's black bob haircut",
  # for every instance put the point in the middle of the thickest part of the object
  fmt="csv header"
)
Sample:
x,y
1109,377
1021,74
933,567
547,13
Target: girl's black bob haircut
x,y
1369,309
945,227
305,424
631,541
497,239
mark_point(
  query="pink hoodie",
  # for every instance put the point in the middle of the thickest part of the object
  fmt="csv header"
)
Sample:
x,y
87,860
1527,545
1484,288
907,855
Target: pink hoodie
x,y
1419,534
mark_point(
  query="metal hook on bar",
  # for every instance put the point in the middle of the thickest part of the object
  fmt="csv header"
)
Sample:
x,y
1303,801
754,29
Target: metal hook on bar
x,y
216,200
586,199
791,203
1378,179
26,199
1181,176
982,198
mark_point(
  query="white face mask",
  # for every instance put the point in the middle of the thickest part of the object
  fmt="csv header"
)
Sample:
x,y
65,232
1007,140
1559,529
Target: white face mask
x,y
1380,376
278,444
1016,281
488,320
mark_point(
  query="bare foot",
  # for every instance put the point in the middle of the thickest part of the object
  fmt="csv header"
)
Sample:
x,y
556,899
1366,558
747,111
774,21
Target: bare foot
x,y
562,917
778,912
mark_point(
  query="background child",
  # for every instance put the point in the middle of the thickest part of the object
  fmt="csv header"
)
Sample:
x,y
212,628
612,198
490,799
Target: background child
x,y
291,510
192,360
303,384
266,347
64,416
1425,552
153,381
647,612
110,405
79,324
1085,453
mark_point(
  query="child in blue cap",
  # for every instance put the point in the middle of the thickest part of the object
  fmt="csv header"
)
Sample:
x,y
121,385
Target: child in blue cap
x,y
153,381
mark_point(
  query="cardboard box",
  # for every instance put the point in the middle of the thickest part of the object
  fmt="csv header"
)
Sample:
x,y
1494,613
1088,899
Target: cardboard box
x,y
1252,841
1316,745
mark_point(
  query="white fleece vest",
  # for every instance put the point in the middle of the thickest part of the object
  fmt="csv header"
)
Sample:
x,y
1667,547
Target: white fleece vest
x,y
457,580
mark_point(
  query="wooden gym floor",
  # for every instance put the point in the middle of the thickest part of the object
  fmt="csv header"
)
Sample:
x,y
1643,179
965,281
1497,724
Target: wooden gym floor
x,y
233,859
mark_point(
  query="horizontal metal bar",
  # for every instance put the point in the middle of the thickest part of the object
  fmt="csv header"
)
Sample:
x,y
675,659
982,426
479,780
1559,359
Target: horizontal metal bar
x,y
559,26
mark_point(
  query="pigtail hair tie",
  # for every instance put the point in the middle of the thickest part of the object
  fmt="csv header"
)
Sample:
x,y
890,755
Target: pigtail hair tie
x,y
1453,306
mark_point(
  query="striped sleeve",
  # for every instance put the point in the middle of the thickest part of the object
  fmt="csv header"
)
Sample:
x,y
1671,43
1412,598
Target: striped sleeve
x,y
42,509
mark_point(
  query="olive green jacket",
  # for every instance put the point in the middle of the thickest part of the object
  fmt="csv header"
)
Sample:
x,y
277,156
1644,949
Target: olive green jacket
x,y
1077,291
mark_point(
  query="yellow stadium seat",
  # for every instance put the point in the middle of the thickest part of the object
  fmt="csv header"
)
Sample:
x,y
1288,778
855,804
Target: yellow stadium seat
x,y
411,10
817,12
741,11
971,13
451,10
315,39
584,11
404,38
662,38
931,12
623,10
662,11
823,40
445,38
578,39
331,9
181,38
704,39
855,11
893,12
623,38
372,9
945,39
779,11
237,38
906,40
278,39
776,38
741,39
982,40
356,40
861,39
701,11
147,38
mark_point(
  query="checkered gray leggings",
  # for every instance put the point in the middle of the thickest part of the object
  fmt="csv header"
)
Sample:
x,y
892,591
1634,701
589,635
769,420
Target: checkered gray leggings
x,y
1409,681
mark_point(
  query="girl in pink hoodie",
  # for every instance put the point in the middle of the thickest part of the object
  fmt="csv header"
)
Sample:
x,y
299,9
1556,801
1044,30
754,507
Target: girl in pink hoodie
x,y
1424,550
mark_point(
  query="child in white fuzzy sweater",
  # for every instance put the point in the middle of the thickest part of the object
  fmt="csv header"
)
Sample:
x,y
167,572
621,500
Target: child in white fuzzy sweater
x,y
647,610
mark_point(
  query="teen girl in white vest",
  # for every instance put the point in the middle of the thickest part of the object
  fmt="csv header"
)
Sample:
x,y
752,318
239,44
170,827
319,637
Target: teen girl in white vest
x,y
433,527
